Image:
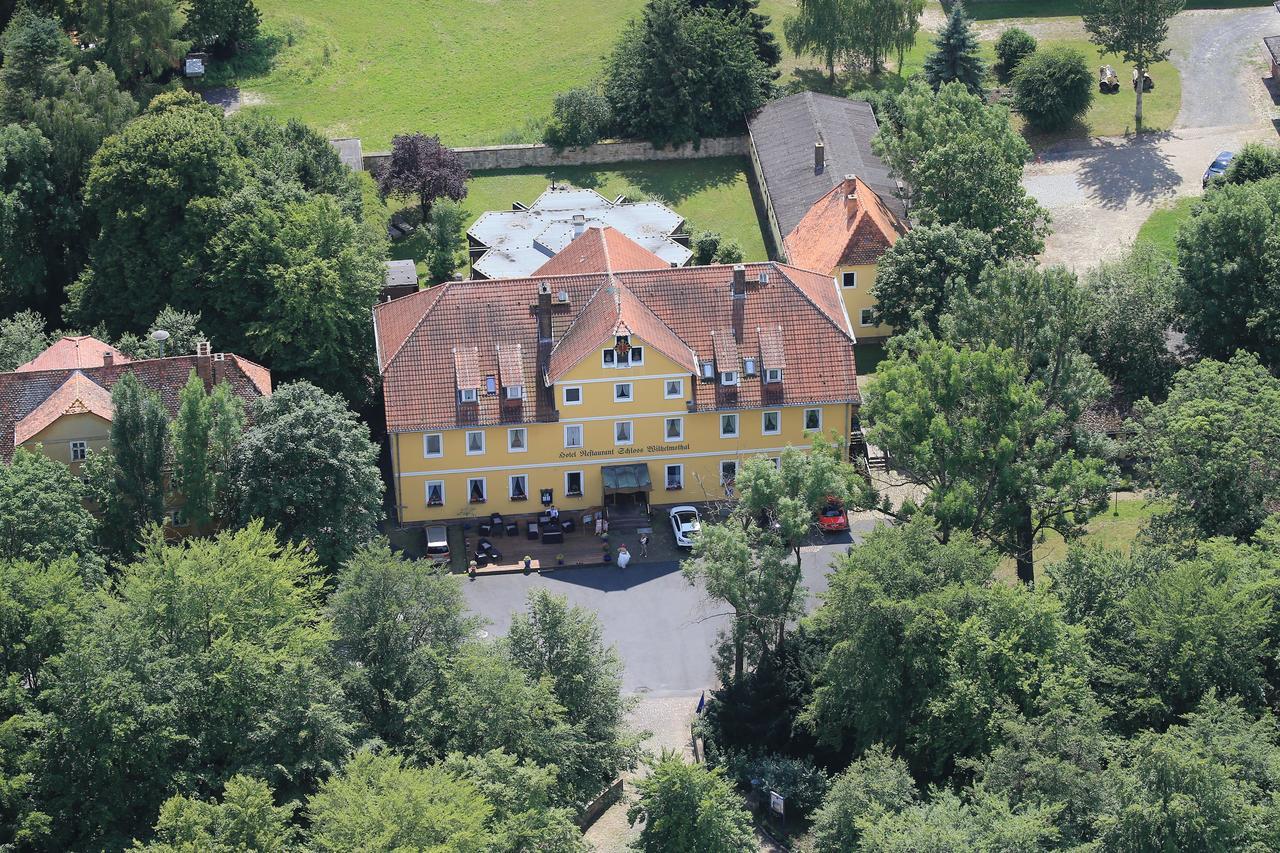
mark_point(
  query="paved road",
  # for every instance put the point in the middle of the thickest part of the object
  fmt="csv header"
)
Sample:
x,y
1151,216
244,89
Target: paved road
x,y
664,629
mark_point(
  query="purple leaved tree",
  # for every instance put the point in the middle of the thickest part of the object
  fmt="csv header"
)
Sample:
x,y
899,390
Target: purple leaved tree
x,y
421,167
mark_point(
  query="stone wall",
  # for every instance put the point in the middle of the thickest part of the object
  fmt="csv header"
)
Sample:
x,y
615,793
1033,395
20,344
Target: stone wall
x,y
540,156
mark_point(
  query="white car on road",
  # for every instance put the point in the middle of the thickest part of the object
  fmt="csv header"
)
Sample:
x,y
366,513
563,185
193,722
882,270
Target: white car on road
x,y
686,525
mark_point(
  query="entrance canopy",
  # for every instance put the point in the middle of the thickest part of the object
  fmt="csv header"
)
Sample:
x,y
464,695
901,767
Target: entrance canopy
x,y
626,478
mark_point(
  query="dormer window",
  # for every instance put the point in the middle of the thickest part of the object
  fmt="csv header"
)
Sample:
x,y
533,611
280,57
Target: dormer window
x,y
515,392
491,384
467,395
708,370
748,367
728,377
773,374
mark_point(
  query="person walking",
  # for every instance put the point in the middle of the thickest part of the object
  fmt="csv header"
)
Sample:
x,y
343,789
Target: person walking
x,y
624,556
644,544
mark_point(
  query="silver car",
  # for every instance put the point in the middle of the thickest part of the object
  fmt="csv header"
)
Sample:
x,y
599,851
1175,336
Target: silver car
x,y
686,525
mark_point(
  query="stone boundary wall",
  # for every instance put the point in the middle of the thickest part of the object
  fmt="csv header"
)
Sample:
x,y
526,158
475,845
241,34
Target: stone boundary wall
x,y
491,157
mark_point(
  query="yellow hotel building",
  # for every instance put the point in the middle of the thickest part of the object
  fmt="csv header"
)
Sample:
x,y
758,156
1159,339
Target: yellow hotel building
x,y
606,378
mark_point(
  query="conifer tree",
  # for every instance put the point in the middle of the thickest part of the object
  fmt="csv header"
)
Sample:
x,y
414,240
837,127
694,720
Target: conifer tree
x,y
955,55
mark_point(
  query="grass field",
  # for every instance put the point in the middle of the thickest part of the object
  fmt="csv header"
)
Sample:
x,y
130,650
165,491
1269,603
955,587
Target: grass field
x,y
711,194
1161,228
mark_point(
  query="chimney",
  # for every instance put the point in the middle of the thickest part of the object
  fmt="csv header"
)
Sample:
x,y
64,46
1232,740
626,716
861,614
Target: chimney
x,y
579,225
739,300
204,364
819,157
108,358
851,199
544,311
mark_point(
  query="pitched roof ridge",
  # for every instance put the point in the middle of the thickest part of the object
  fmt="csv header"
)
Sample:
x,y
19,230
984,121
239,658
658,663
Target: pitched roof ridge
x,y
661,322
574,323
782,268
439,290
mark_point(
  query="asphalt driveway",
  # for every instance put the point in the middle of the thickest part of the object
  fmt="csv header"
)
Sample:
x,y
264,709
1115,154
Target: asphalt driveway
x,y
663,628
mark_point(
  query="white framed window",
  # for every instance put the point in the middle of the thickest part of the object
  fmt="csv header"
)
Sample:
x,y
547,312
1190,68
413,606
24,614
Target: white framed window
x,y
729,426
708,370
728,377
515,392
673,389
432,445
849,280
728,471
517,440
773,374
573,435
79,451
675,477
467,395
748,367
623,392
776,460
623,432
636,356
573,484
572,395
475,442
609,358
812,419
770,422
868,317
518,487
491,385
673,429
477,490
435,492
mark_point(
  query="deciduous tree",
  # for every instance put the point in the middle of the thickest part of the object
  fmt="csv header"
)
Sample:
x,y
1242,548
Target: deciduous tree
x,y
420,167
137,39
307,468
42,514
874,784
920,274
22,338
128,480
1136,31
226,26
679,74
1053,87
247,818
688,807
963,163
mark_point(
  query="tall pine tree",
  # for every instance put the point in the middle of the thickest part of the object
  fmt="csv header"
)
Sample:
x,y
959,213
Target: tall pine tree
x,y
128,482
955,55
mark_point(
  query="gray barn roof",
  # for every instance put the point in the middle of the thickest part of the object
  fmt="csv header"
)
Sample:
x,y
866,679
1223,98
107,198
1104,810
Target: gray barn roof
x,y
1273,45
784,133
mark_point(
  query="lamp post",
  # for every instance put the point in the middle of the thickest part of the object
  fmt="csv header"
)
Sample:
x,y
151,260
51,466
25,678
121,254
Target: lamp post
x,y
160,336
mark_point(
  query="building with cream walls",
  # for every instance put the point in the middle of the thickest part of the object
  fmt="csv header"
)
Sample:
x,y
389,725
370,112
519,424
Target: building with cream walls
x,y
606,378
831,203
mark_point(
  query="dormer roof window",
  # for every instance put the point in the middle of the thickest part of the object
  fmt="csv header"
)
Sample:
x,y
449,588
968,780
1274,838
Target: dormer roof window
x,y
772,353
728,377
466,370
511,371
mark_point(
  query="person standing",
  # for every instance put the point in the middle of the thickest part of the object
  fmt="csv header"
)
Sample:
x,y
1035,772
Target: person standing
x,y
644,544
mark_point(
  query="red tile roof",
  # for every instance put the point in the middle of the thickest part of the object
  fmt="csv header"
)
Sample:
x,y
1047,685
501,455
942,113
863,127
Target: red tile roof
x,y
847,226
801,313
614,310
773,352
78,394
600,250
29,396
74,351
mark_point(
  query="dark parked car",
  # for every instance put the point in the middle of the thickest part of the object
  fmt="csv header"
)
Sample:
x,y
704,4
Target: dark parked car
x,y
1217,167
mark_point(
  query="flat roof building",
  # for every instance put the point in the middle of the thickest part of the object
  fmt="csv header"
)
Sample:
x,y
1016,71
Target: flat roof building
x,y
515,243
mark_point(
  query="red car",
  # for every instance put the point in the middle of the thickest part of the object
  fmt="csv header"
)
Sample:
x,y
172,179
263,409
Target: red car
x,y
832,517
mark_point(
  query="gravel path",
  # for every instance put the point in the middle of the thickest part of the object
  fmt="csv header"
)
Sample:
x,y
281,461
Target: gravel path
x,y
1219,54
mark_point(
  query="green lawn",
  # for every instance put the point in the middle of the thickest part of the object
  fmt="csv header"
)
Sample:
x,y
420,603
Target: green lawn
x,y
711,194
1161,228
1116,527
472,71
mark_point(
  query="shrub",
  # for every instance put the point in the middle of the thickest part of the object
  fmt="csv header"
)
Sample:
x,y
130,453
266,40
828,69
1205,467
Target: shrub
x,y
1013,46
1253,162
730,252
581,117
1053,87
801,784
705,246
